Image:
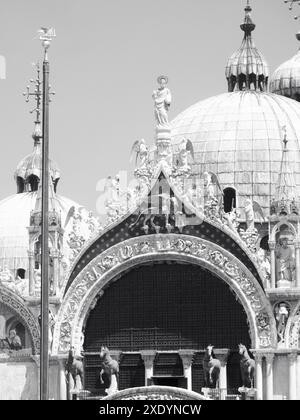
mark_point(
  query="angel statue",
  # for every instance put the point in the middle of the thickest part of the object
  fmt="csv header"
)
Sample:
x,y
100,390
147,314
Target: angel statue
x,y
252,208
162,101
210,180
141,151
185,149
282,314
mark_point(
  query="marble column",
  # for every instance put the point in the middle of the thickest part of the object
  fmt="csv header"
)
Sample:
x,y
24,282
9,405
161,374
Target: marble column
x,y
187,358
222,355
258,376
297,257
62,380
148,357
292,376
269,379
31,273
55,255
272,246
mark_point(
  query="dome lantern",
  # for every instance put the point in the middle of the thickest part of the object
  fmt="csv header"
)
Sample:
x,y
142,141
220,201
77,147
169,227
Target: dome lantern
x,y
247,69
285,80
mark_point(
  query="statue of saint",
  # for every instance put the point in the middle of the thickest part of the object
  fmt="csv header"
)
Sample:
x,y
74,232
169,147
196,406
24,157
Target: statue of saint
x,y
14,340
282,315
285,260
162,101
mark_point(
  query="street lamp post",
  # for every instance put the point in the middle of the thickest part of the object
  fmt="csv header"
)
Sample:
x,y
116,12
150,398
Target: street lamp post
x,y
46,36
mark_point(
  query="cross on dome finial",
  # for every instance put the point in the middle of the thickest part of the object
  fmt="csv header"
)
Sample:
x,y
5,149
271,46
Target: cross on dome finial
x,y
285,140
248,26
247,69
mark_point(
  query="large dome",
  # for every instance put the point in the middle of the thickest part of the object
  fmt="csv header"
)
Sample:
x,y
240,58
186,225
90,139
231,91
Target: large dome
x,y
286,78
239,136
15,214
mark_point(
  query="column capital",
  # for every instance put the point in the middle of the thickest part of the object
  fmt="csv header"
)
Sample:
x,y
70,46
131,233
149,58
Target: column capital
x,y
272,245
258,356
186,357
222,355
269,357
148,357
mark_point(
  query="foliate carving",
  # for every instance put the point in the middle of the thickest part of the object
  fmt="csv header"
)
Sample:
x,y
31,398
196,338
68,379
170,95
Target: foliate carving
x,y
120,254
294,338
264,329
250,237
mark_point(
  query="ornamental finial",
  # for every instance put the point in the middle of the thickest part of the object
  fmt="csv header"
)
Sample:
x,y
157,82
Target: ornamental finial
x,y
46,35
285,140
248,26
37,94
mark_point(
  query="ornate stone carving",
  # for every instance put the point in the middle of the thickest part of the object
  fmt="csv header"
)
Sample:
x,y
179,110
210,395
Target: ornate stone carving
x,y
281,312
16,305
122,255
294,336
250,237
264,329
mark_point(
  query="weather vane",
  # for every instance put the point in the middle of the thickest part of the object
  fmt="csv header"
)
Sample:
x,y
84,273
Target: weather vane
x,y
291,5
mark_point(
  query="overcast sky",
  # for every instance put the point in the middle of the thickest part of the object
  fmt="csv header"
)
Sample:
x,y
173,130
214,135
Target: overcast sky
x,y
104,64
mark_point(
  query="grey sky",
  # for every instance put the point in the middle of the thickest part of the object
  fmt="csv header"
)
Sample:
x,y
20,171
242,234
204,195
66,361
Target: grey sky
x,y
104,64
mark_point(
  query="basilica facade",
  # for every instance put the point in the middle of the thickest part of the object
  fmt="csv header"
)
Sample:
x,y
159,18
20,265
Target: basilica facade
x,y
201,250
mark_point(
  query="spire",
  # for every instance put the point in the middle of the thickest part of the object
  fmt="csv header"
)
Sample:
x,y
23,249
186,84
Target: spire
x,y
246,68
286,185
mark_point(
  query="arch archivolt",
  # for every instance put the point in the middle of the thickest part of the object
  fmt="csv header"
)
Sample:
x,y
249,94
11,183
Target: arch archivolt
x,y
16,305
90,282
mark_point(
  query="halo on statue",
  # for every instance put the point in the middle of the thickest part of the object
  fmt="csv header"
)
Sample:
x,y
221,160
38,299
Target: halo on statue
x,y
161,78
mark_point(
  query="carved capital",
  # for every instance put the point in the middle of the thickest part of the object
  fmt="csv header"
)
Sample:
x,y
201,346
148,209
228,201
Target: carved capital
x,y
222,355
148,357
258,357
272,245
186,357
269,357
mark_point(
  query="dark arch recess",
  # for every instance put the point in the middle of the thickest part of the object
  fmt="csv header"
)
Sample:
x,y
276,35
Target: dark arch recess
x,y
167,306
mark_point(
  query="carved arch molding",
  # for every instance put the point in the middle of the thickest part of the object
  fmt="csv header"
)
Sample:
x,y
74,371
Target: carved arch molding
x,y
293,328
88,284
16,305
